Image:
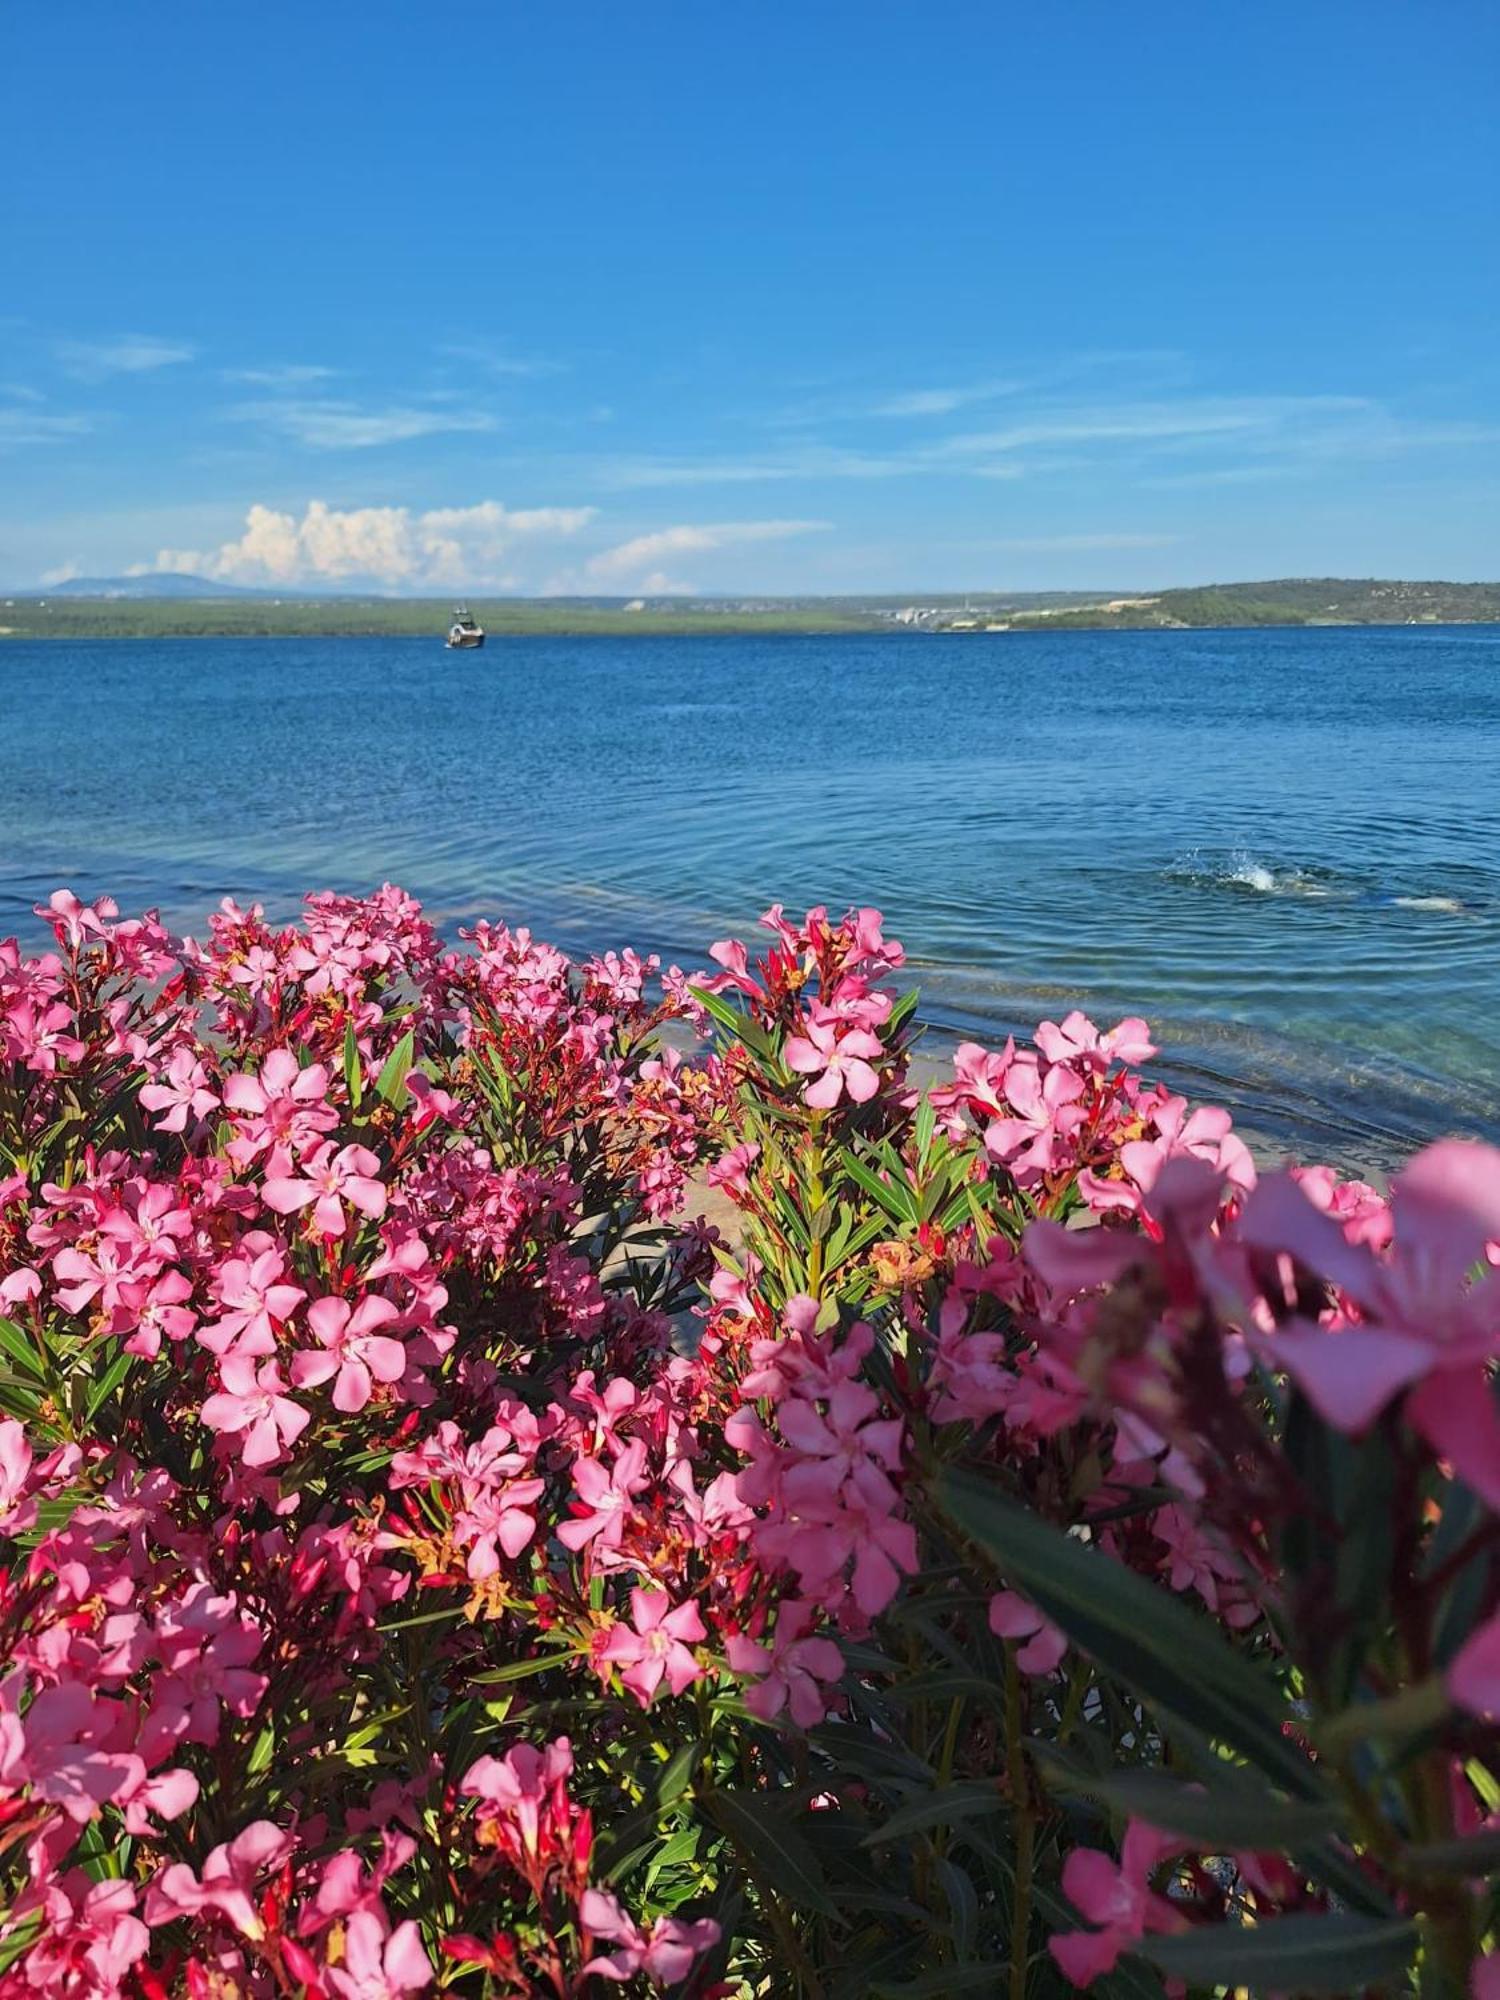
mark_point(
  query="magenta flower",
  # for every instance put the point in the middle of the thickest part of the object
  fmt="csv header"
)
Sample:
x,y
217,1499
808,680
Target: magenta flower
x,y
659,1646
257,1299
1116,1897
666,1956
328,1180
285,1105
1079,1042
1474,1675
67,1747
353,1349
184,1093
523,1798
1042,1645
227,1885
378,1963
1423,1328
836,1063
789,1670
253,1405
605,1498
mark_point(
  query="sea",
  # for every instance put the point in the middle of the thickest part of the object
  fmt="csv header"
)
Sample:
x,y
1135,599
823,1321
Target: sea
x,y
1281,847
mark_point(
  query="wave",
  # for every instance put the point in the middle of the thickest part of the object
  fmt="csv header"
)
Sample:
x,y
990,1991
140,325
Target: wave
x,y
1244,873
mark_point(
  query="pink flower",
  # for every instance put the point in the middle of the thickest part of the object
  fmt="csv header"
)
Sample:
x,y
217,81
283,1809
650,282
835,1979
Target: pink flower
x,y
352,1349
1474,1675
91,1941
284,1105
67,1747
227,1885
523,1799
1079,1042
792,1666
605,1497
1117,1898
666,1956
253,1405
1045,1115
184,1093
1013,1617
658,1648
258,1299
378,1963
838,1063
328,1180
731,1171
1423,1328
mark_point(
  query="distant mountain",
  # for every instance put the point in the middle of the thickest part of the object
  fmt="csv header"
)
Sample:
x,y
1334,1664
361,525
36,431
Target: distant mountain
x,y
1290,600
158,583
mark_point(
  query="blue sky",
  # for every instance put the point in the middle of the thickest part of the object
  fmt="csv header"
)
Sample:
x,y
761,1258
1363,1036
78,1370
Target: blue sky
x,y
799,297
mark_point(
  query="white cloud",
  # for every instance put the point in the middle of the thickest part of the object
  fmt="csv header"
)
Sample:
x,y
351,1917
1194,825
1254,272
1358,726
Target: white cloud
x,y
496,360
1060,544
633,561
939,402
63,573
391,547
28,425
126,354
327,425
285,375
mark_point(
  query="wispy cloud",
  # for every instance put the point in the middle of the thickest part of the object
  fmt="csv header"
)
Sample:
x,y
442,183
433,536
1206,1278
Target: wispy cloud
x,y
28,425
1053,434
393,548
125,354
1065,544
633,564
496,360
327,425
941,402
288,375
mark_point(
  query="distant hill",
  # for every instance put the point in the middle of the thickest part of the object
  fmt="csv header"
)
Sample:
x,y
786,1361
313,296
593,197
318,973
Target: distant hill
x,y
158,583
163,606
1297,600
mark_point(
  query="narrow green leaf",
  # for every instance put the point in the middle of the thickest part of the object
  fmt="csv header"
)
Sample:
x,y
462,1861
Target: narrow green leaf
x,y
987,1978
1302,1954
969,1800
774,1848
390,1085
20,1350
1477,1855
107,1384
1220,1819
1138,1632
354,1081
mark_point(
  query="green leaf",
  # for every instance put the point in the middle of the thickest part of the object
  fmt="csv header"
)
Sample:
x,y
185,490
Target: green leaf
x,y
1219,1819
390,1085
893,1196
107,1384
519,1670
20,1350
1138,1632
775,1849
1476,1855
678,1775
354,1081
1303,1954
969,1800
988,1978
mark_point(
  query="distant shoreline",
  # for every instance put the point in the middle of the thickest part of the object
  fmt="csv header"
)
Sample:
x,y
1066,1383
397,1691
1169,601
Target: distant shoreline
x,y
124,609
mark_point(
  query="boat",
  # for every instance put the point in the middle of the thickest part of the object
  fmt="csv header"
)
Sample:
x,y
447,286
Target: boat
x,y
465,632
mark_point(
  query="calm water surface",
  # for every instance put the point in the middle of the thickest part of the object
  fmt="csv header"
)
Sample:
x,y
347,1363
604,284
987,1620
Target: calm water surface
x,y
1281,847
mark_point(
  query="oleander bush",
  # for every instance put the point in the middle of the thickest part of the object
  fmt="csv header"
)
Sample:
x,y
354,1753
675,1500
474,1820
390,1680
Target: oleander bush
x,y
1028,1550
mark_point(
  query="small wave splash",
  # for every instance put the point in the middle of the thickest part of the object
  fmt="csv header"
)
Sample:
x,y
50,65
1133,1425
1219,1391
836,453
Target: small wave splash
x,y
1243,873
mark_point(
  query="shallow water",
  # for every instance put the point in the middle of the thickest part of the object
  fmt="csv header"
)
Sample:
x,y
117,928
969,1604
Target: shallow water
x,y
1283,848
